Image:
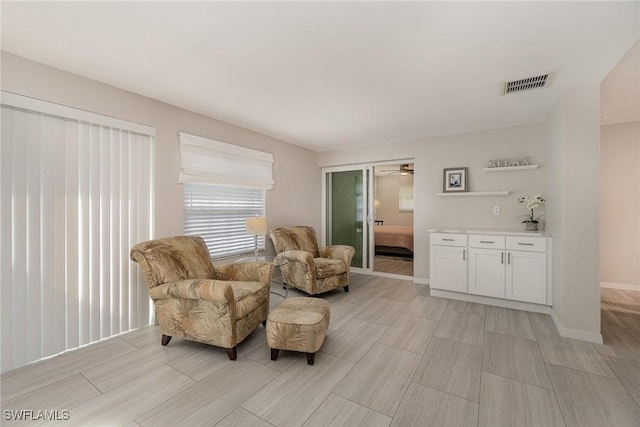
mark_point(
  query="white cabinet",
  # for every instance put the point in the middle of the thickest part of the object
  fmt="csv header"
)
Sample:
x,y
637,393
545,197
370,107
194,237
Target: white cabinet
x,y
448,260
527,274
486,272
506,267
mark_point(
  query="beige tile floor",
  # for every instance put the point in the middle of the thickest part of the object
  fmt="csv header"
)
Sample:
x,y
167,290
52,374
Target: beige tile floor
x,y
393,265
394,355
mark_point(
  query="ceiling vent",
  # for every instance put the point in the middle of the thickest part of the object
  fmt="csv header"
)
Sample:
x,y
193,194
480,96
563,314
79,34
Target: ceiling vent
x,y
530,83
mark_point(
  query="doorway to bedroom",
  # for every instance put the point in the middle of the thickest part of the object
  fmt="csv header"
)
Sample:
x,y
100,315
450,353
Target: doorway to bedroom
x,y
370,207
393,219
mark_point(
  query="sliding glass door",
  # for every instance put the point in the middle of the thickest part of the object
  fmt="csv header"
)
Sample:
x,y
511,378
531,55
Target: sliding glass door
x,y
347,211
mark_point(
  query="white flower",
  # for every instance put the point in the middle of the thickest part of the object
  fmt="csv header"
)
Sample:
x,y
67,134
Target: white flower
x,y
530,203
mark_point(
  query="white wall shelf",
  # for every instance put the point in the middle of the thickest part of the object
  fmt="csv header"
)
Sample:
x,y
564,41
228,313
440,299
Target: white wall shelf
x,y
510,168
475,193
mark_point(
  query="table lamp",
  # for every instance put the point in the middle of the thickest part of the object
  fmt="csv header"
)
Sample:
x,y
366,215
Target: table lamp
x,y
256,226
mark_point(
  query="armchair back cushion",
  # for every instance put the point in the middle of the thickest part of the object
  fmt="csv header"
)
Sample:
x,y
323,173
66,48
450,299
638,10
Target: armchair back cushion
x,y
174,259
301,238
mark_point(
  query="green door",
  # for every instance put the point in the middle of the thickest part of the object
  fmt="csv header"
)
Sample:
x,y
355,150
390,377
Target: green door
x,y
346,212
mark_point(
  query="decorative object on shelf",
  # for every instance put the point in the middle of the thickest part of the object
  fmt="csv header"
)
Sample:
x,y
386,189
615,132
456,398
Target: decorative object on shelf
x,y
256,226
455,180
530,203
503,163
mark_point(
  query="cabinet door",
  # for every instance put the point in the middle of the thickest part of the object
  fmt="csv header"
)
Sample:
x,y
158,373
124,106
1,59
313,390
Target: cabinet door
x,y
448,268
487,272
526,276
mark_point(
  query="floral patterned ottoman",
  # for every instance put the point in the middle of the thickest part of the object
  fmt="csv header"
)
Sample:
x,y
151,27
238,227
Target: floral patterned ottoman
x,y
298,324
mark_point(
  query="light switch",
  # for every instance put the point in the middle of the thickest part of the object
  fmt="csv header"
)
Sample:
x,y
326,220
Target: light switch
x,y
496,210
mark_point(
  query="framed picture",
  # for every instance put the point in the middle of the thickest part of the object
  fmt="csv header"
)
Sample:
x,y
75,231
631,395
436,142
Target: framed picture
x,y
455,180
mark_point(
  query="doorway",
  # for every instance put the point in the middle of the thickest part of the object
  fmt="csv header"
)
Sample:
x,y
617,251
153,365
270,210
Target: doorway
x,y
393,219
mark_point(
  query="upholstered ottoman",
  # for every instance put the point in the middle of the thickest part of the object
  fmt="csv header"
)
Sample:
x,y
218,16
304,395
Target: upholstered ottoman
x,y
298,324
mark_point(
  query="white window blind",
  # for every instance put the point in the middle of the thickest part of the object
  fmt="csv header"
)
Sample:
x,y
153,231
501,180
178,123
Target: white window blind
x,y
224,185
206,161
76,192
217,213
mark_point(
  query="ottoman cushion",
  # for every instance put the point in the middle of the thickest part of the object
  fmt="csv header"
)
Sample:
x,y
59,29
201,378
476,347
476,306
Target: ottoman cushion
x,y
298,324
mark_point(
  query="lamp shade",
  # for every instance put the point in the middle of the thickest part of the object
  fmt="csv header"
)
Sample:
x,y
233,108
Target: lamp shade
x,y
257,226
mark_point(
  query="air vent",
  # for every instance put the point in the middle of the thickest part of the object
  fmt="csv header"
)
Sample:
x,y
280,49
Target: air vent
x,y
529,83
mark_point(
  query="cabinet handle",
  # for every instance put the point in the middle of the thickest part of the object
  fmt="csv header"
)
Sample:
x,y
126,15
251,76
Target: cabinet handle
x,y
464,254
448,240
501,257
486,241
508,257
525,244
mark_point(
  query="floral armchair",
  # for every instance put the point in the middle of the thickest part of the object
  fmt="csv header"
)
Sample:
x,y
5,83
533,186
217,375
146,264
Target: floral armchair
x,y
310,268
220,306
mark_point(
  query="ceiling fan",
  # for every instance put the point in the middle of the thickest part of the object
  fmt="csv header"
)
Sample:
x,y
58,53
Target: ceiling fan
x,y
406,169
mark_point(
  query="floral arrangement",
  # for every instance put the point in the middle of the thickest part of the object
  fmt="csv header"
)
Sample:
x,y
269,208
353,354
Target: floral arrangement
x,y
530,203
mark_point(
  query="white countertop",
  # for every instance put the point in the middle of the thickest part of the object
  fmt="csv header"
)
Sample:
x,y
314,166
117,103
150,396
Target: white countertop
x,y
501,231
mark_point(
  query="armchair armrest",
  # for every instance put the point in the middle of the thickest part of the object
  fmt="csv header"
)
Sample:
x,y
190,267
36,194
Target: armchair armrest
x,y
303,257
212,290
341,252
250,271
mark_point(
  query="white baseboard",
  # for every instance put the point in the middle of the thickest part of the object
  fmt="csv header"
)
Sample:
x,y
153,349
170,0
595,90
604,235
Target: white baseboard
x,y
498,302
621,286
416,280
577,334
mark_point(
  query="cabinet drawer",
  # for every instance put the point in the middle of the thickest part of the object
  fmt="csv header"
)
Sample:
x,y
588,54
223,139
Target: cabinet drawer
x,y
486,241
446,239
536,244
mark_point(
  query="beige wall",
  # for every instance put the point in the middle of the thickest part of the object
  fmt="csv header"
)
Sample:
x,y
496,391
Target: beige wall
x,y
295,197
620,205
573,211
387,192
554,208
473,150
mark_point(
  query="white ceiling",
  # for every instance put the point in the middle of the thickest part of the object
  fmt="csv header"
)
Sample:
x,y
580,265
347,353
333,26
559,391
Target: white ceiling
x,y
327,75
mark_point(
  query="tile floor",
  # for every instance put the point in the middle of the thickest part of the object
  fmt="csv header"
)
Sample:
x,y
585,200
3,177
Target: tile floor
x,y
394,356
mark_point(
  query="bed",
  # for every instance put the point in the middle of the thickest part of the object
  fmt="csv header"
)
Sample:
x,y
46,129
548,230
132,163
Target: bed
x,y
393,240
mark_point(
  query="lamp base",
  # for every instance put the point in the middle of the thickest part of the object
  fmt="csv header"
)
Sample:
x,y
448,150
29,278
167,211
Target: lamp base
x,y
255,252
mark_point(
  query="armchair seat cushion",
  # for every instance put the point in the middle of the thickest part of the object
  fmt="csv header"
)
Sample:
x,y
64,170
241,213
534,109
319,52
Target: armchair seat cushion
x,y
248,296
326,267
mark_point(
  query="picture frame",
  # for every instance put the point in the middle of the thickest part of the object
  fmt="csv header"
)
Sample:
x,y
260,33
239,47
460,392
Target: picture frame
x,y
455,180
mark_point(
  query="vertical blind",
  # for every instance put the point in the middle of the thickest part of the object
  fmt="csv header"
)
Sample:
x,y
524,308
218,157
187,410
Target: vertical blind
x,y
76,195
223,185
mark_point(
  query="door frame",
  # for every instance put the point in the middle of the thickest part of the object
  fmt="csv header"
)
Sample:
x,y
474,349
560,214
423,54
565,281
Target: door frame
x,y
368,208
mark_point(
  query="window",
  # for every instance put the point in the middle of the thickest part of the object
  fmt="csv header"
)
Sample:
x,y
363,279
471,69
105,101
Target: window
x,y
217,213
405,197
224,184
76,195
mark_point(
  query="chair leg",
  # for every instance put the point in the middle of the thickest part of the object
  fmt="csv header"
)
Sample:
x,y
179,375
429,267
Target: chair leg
x,y
274,353
346,288
165,339
232,353
311,358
